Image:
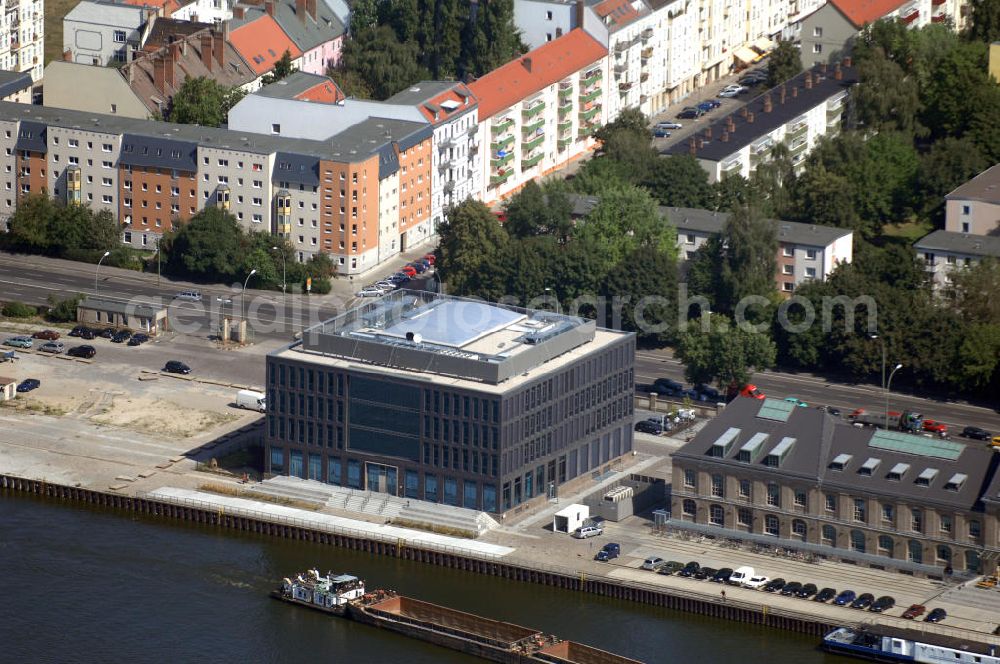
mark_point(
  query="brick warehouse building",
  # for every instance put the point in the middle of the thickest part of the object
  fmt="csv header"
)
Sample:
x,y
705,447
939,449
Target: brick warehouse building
x,y
450,400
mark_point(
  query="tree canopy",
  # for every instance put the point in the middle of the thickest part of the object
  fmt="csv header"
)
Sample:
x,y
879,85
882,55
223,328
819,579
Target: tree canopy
x,y
714,350
203,101
784,63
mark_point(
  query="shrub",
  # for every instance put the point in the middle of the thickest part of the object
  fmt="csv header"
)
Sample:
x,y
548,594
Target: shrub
x,y
18,310
320,286
63,311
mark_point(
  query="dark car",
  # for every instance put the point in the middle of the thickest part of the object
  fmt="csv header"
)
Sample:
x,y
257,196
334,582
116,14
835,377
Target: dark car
x,y
825,595
48,335
915,611
976,433
705,573
690,113
609,551
107,333
87,334
670,567
791,588
667,387
419,267
707,393
121,336
690,569
806,591
722,575
649,427
774,585
75,332
863,601
709,104
173,366
936,616
138,338
845,597
82,351
660,133
29,384
883,603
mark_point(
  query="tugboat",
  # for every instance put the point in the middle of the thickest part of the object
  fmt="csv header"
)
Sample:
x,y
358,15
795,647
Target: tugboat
x,y
331,593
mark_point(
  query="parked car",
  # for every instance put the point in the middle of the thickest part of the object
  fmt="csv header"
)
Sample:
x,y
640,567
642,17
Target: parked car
x,y
54,347
430,258
19,342
670,567
705,106
660,133
807,591
705,573
419,267
609,551
84,351
409,271
753,79
882,604
732,91
121,336
653,563
646,426
369,291
845,597
933,426
797,401
740,576
138,338
722,575
87,334
708,393
48,335
666,124
174,366
825,595
689,569
863,601
107,333
915,611
583,532
690,113
189,295
774,585
936,616
791,588
976,433
667,387
756,582
29,384
75,332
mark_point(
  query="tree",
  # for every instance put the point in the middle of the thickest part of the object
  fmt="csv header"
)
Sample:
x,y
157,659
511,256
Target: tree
x,y
985,21
471,243
350,83
751,245
29,225
784,63
979,356
538,210
385,64
948,163
886,98
492,38
974,292
828,199
630,120
200,101
725,354
704,270
282,67
625,219
207,247
63,310
954,78
645,282
679,181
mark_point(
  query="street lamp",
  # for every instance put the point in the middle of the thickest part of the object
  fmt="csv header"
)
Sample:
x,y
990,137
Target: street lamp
x,y
243,295
882,342
887,384
97,271
282,270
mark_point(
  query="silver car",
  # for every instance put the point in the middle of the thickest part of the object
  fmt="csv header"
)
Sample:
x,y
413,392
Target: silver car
x,y
54,347
189,295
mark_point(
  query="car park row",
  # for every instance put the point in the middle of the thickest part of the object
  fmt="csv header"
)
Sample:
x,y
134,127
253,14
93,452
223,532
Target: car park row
x,y
399,279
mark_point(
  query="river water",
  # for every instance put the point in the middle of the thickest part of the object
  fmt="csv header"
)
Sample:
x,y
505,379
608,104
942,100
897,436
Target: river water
x,y
81,585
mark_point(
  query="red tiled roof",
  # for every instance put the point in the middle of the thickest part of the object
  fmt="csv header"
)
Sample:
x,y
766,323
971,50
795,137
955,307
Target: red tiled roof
x,y
618,12
262,43
859,12
322,93
549,63
450,95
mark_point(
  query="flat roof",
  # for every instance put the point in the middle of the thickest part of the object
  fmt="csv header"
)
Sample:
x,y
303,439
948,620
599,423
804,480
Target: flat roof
x,y
959,243
454,323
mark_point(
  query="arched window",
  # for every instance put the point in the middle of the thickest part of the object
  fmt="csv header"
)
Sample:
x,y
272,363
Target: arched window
x,y
689,507
944,553
915,552
771,525
971,561
799,529
885,546
829,535
716,516
857,541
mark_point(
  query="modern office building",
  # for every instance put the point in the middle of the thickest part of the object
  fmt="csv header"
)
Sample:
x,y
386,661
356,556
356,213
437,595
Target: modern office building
x,y
773,471
974,207
796,113
450,400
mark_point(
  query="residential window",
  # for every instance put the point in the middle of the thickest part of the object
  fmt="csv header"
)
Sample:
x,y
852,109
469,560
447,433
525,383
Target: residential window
x,y
975,529
966,209
945,524
744,516
788,287
800,498
771,525
106,198
744,488
811,272
120,36
787,251
887,512
716,515
718,486
689,478
817,48
799,529
787,269
106,147
275,129
774,495
817,31
916,520
860,509
689,507
811,254
105,182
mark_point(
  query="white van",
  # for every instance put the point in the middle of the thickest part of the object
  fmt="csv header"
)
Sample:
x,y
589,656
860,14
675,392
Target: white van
x,y
251,400
189,295
740,576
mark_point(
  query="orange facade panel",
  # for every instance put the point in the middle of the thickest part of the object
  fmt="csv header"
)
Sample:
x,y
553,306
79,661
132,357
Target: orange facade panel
x,y
151,199
414,185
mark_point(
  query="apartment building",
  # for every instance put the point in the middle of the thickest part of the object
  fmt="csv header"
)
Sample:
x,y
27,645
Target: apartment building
x,y
457,164
772,472
94,89
974,207
15,86
482,406
202,11
797,114
22,37
539,111
260,41
103,32
944,252
311,25
829,32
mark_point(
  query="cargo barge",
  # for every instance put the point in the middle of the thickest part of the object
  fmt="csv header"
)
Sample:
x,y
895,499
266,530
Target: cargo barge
x,y
344,595
882,643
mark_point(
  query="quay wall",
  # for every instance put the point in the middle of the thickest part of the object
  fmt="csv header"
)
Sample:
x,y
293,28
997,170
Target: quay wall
x,y
670,598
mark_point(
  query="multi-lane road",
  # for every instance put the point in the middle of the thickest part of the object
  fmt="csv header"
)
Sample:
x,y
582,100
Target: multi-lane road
x,y
32,279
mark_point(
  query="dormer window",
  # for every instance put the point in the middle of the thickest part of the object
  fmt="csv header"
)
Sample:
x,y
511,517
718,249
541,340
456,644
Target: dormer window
x,y
840,462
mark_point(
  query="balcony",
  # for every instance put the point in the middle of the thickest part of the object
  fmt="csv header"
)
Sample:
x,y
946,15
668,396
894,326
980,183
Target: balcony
x,y
624,87
564,143
647,34
504,142
621,67
796,130
503,125
528,163
762,148
565,108
533,127
565,91
584,132
590,96
532,144
621,47
500,178
591,78
798,146
498,161
590,112
647,53
564,125
939,18
533,110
